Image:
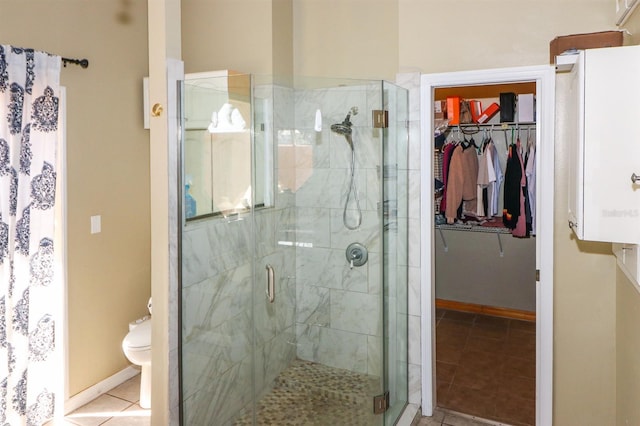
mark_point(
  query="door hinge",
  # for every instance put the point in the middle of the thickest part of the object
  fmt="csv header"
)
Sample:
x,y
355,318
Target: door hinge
x,y
380,119
381,403
537,274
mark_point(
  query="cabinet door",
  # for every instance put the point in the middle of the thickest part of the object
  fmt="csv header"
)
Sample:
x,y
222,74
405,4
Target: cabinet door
x,y
611,145
574,140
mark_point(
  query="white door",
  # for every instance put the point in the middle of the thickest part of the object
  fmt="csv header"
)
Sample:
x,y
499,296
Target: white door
x,y
544,77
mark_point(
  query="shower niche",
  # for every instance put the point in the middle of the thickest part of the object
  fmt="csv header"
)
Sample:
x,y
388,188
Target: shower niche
x,y
276,322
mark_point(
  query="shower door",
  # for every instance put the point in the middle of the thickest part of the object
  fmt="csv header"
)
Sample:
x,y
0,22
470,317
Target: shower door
x,y
277,323
217,243
395,237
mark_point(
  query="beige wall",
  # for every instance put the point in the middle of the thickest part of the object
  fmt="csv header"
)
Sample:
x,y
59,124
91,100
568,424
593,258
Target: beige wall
x,y
628,348
227,34
584,306
107,168
632,37
353,39
441,36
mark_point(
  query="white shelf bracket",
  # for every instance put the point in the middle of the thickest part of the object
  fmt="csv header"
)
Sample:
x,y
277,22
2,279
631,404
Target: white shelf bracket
x,y
500,245
444,242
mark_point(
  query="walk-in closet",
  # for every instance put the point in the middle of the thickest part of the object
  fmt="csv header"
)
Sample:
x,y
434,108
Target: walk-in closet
x,y
484,168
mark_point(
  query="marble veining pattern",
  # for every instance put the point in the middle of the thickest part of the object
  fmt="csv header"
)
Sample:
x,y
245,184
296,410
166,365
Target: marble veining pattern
x,y
325,312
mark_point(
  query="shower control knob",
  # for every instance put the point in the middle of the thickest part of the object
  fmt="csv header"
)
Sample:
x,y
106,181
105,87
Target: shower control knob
x,y
356,254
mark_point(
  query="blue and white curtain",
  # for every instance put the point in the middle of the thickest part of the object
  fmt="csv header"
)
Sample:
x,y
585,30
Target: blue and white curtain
x,y
29,103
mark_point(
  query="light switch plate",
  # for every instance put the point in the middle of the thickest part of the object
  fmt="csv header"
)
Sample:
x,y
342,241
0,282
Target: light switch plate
x,y
95,224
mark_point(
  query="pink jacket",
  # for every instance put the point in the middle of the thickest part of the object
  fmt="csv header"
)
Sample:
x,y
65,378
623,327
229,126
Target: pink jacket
x,y
461,182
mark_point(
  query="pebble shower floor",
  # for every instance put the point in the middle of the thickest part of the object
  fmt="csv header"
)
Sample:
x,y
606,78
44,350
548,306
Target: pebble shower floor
x,y
307,393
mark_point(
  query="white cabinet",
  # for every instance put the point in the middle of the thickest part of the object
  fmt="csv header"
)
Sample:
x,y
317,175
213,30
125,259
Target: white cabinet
x,y
604,200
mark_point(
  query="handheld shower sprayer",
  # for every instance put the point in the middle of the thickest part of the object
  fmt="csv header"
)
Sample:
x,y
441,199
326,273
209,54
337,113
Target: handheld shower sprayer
x,y
345,130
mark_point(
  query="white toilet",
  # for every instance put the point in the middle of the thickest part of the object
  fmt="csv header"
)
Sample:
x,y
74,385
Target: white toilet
x,y
137,348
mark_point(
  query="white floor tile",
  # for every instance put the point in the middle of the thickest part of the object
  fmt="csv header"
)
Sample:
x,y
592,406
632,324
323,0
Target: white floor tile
x,y
132,416
98,411
129,390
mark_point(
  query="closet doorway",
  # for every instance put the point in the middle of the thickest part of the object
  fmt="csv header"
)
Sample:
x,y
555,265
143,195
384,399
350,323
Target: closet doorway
x,y
542,78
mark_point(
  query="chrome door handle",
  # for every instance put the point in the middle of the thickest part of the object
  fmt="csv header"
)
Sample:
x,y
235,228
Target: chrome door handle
x,y
635,178
271,286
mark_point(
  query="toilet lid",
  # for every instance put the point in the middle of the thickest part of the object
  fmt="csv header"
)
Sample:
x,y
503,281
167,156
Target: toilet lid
x,y
140,336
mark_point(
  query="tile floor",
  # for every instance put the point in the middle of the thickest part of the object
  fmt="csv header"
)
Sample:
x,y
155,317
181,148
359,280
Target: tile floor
x,y
486,366
118,407
307,393
442,417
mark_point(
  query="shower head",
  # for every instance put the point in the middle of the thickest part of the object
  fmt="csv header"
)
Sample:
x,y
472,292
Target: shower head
x,y
344,128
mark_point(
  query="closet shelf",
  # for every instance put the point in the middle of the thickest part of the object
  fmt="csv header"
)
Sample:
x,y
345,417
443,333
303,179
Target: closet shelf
x,y
474,228
496,125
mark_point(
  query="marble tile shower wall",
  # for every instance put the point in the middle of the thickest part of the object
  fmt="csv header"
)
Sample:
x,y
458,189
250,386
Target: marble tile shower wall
x,y
220,331
411,82
338,317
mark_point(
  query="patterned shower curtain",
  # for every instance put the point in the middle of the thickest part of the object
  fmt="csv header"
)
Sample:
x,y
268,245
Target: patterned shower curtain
x,y
29,90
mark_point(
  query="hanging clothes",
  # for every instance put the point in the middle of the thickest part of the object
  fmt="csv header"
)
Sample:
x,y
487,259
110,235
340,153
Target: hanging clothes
x,y
483,181
516,214
496,177
462,181
523,225
512,189
446,160
530,171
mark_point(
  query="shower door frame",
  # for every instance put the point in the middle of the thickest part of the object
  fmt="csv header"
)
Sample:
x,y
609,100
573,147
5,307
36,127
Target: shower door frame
x,y
544,77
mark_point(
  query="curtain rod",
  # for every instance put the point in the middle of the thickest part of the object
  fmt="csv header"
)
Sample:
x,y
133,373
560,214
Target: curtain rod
x,y
84,63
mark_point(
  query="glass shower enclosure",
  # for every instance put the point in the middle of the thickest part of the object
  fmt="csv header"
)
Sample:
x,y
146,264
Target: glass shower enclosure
x,y
293,251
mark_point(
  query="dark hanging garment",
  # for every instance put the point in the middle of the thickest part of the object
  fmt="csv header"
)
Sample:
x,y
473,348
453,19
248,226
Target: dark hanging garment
x,y
512,189
446,161
522,227
527,202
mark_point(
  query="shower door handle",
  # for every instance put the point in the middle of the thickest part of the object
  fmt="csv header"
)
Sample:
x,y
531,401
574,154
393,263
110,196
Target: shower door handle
x,y
271,286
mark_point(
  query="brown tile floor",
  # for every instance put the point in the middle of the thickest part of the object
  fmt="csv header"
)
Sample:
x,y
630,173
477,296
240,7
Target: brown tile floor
x,y
486,366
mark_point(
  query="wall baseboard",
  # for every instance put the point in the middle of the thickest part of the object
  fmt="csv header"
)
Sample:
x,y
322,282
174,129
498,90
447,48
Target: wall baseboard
x,y
487,310
98,389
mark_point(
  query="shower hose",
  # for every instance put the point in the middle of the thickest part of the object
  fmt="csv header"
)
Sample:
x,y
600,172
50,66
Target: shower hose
x,y
352,190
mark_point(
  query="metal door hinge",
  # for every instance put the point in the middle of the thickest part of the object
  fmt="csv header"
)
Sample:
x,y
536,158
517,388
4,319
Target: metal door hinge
x,y
381,403
380,119
537,274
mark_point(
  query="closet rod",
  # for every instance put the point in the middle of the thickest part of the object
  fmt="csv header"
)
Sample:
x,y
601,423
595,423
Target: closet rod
x,y
472,129
84,63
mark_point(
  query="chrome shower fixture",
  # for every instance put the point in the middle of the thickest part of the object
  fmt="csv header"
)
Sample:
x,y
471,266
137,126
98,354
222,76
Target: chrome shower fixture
x,y
344,128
